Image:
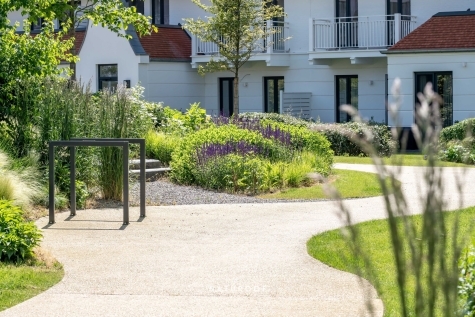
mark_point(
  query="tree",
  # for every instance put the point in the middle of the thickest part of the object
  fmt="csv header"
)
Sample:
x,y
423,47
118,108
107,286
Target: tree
x,y
26,59
238,27
112,14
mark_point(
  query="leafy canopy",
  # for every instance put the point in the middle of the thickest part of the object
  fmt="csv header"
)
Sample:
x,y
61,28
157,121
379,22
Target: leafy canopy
x,y
237,27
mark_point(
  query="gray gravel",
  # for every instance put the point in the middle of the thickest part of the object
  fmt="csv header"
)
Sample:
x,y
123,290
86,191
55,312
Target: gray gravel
x,y
165,193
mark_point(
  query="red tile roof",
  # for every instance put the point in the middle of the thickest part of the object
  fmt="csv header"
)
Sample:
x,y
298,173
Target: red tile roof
x,y
167,43
78,40
447,30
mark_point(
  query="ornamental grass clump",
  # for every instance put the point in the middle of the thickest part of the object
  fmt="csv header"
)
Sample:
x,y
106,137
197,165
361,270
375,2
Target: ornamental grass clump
x,y
425,255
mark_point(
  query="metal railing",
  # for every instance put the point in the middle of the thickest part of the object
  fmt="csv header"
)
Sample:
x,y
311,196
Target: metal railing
x,y
275,42
360,32
72,144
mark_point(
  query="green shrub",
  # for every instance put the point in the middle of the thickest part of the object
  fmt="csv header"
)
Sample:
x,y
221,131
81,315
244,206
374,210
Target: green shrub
x,y
17,237
466,286
458,131
340,136
81,194
185,159
456,151
275,117
303,139
160,146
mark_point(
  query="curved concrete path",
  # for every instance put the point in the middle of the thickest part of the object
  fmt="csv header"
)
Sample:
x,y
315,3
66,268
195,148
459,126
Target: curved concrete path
x,y
210,260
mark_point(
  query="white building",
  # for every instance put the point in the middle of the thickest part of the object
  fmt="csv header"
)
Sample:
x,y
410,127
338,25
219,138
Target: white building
x,y
338,53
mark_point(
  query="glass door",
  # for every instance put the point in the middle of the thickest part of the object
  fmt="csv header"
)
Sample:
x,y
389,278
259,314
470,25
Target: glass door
x,y
346,94
226,96
347,23
272,88
398,6
441,84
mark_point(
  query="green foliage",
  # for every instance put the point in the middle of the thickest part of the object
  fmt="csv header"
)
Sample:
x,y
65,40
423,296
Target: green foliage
x,y
81,194
304,139
237,28
457,143
195,117
458,131
342,135
184,159
17,237
275,117
121,115
466,285
160,146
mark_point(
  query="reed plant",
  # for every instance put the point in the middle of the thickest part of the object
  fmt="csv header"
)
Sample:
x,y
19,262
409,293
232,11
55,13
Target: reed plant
x,y
428,268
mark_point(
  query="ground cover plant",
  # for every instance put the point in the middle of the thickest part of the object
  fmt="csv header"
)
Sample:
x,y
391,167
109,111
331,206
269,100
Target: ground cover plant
x,y
332,249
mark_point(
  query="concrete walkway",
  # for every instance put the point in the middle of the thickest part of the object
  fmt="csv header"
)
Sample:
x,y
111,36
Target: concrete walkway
x,y
210,260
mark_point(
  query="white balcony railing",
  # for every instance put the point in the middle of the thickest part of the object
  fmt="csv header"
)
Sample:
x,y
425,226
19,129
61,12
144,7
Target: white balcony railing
x,y
361,32
274,43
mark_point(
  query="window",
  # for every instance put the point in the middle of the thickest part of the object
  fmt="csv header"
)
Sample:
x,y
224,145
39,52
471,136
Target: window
x,y
160,12
272,88
442,85
399,6
37,25
226,96
347,18
346,94
108,77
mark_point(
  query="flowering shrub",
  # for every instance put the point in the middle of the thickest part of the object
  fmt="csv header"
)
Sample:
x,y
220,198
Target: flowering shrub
x,y
250,156
458,152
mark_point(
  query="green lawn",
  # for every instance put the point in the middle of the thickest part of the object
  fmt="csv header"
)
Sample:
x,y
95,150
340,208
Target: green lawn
x,y
331,248
21,282
397,159
350,184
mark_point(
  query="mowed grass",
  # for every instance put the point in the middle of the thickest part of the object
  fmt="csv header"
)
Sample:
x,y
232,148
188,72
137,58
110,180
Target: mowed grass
x,y
21,282
396,159
332,249
350,184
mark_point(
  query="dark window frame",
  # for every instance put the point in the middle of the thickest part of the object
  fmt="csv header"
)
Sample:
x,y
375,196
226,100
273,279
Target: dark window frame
x,y
164,14
276,93
445,122
337,94
101,79
230,81
399,7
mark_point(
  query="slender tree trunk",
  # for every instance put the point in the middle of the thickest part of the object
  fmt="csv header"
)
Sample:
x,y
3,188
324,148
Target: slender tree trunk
x,y
236,95
72,34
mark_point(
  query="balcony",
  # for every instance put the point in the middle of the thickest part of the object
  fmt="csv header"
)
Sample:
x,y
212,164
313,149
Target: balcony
x,y
357,38
273,49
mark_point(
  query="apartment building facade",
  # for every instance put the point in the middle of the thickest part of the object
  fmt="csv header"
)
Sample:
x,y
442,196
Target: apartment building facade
x,y
338,52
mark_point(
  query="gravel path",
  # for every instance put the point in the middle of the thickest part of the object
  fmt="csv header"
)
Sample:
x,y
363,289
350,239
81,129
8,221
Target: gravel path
x,y
165,193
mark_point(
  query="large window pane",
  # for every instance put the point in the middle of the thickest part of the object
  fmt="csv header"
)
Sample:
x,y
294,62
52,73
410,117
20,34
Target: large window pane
x,y
272,88
442,84
347,94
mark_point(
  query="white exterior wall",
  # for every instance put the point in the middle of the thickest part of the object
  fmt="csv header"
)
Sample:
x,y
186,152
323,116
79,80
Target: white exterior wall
x,y
176,84
302,77
102,46
462,66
